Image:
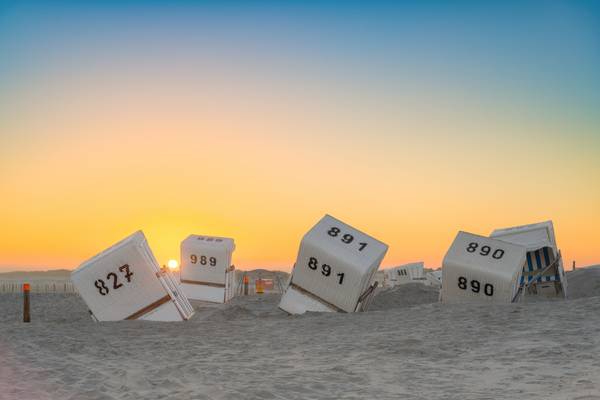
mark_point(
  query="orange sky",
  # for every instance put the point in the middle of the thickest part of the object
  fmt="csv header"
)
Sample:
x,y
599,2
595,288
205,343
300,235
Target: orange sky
x,y
171,171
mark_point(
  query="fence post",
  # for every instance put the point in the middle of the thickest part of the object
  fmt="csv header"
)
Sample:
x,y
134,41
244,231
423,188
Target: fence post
x,y
26,315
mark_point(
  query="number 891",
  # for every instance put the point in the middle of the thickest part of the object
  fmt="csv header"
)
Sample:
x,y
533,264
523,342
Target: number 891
x,y
313,264
346,238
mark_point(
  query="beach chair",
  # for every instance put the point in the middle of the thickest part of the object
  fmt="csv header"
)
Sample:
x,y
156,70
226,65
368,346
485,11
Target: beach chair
x,y
334,270
543,272
125,282
481,269
405,274
206,270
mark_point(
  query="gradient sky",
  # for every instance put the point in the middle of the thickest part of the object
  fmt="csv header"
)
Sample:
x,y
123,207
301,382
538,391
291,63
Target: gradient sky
x,y
409,121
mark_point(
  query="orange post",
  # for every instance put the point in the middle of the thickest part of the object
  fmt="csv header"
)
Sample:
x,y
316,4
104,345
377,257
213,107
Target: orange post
x,y
246,282
26,315
260,289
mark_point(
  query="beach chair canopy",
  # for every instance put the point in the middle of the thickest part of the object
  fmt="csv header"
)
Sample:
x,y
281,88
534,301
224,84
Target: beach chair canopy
x,y
125,282
481,269
206,270
533,236
335,266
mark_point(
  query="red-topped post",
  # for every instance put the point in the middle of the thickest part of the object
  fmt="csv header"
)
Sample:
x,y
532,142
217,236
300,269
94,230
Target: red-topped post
x,y
26,315
246,282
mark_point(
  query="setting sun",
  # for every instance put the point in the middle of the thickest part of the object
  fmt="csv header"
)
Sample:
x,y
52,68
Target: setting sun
x,y
173,264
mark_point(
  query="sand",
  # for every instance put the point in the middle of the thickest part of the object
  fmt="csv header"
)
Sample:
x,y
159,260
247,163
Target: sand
x,y
584,282
407,346
402,296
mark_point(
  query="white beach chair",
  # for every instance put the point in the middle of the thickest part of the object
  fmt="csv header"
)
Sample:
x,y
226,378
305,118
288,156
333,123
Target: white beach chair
x,y
481,269
543,272
206,270
406,273
125,282
334,269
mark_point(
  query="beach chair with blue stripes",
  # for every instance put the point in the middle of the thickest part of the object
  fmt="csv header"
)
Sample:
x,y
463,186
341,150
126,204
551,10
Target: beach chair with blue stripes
x,y
543,272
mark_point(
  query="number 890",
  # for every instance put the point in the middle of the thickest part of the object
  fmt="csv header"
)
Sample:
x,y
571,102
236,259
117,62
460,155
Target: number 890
x,y
488,288
485,250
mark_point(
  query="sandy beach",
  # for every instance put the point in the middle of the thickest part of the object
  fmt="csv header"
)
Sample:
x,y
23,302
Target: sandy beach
x,y
407,346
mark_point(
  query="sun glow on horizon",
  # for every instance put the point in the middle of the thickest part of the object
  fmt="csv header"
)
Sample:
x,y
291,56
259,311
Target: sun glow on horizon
x,y
173,264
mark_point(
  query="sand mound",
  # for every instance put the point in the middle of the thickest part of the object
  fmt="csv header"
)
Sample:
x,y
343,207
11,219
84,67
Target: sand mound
x,y
225,314
242,307
584,282
407,295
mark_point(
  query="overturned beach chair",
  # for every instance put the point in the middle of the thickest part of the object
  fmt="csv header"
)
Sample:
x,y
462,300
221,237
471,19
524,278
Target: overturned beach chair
x,y
543,272
481,269
206,270
125,282
334,270
406,273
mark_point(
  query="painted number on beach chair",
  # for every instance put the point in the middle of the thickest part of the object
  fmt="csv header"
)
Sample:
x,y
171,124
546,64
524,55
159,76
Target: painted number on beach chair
x,y
485,251
346,238
488,288
203,260
313,264
101,285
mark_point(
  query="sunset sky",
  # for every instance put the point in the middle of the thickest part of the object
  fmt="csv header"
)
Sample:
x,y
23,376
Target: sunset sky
x,y
252,120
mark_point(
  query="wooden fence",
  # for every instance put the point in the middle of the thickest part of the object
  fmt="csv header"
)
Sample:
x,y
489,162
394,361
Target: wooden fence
x,y
14,286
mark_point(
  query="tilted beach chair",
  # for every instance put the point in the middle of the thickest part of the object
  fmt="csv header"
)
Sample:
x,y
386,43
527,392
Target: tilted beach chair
x,y
481,269
125,282
334,270
543,272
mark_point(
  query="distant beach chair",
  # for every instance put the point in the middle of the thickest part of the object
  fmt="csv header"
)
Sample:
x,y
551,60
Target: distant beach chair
x,y
403,274
125,282
543,272
334,270
206,270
